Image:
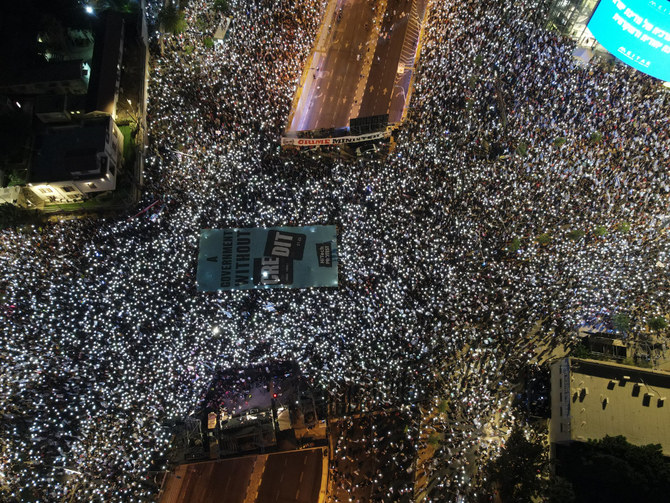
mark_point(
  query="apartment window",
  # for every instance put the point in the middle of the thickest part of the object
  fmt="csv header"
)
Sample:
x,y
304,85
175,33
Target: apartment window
x,y
45,190
68,188
560,396
560,411
561,427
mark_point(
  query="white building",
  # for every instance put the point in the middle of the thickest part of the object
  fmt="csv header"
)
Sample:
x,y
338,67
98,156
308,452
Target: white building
x,y
76,160
591,399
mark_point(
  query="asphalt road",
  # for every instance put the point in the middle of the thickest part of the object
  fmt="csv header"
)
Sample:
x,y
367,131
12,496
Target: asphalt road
x,y
344,81
329,89
381,78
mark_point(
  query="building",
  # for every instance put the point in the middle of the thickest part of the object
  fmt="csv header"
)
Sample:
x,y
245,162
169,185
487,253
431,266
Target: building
x,y
65,77
570,17
73,161
591,399
106,65
87,86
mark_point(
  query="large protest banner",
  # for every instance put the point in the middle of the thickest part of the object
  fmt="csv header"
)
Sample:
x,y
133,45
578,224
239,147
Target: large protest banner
x,y
276,257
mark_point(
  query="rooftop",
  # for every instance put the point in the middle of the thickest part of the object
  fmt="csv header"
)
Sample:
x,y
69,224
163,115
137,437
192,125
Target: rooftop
x,y
613,399
62,152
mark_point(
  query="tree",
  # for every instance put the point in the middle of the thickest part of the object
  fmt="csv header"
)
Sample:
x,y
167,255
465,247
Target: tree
x,y
13,216
600,231
544,238
221,6
171,19
514,245
522,149
621,322
559,490
623,227
613,470
658,323
576,234
517,471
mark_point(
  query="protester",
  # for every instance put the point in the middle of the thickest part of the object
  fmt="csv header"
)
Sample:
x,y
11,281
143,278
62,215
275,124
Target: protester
x,y
442,270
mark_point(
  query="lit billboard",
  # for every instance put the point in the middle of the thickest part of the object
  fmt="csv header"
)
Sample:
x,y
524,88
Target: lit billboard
x,y
276,257
637,32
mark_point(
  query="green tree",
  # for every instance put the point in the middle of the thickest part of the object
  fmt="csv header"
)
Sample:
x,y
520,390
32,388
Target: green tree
x,y
581,351
576,235
613,470
559,490
222,6
517,471
522,149
544,238
514,245
621,322
16,177
559,141
600,231
658,323
623,227
171,19
208,42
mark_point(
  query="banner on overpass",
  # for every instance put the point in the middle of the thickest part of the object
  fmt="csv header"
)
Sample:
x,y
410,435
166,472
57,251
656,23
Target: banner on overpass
x,y
342,140
276,257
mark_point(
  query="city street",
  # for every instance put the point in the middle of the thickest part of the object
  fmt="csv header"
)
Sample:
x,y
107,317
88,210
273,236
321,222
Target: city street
x,y
363,65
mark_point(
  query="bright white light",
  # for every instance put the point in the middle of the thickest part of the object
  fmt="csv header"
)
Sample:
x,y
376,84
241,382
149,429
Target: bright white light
x,y
88,9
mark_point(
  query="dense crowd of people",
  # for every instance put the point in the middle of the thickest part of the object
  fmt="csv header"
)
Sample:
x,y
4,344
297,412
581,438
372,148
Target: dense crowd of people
x,y
448,255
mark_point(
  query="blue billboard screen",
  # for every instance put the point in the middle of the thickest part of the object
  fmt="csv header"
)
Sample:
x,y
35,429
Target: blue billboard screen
x,y
637,32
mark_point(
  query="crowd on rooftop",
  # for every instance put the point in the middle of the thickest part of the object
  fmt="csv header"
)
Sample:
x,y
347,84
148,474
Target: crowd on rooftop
x,y
449,255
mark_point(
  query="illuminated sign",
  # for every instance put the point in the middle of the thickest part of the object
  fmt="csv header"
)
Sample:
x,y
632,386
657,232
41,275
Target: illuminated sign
x,y
278,257
637,32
